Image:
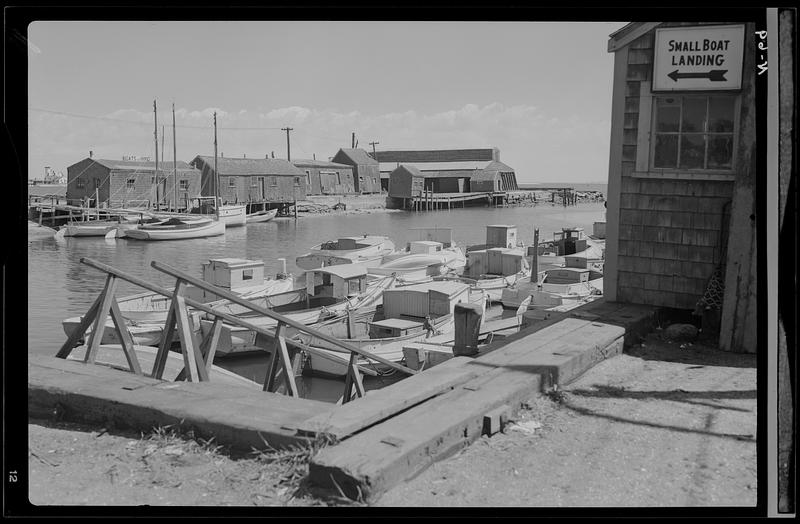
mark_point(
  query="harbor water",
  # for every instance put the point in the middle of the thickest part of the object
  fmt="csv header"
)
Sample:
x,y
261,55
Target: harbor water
x,y
59,286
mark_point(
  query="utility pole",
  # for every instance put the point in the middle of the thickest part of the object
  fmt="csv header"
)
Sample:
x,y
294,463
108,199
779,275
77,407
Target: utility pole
x,y
174,160
163,159
155,139
374,154
216,173
288,146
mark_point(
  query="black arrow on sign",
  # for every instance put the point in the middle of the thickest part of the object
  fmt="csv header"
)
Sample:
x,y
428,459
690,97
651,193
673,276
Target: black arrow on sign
x,y
715,75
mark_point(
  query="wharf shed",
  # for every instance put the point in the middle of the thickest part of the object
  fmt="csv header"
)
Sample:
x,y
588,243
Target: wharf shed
x,y
253,180
445,171
681,211
326,178
366,174
132,183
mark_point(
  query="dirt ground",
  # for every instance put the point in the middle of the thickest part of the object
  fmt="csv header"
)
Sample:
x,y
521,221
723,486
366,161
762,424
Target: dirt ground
x,y
662,425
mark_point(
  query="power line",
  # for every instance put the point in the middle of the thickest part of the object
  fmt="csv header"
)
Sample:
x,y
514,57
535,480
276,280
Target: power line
x,y
92,117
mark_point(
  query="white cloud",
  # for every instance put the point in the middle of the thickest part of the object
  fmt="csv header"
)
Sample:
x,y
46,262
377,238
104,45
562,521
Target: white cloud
x,y
542,147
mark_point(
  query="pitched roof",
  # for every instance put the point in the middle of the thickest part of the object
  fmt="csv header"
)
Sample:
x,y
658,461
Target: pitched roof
x,y
438,155
439,166
628,33
140,165
319,163
249,166
357,156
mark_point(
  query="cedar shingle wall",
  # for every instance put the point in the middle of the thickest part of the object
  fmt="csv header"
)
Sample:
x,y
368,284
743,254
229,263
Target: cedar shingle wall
x,y
669,230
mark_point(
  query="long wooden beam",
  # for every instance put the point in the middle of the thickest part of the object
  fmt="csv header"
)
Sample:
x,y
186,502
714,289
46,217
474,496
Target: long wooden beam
x,y
238,300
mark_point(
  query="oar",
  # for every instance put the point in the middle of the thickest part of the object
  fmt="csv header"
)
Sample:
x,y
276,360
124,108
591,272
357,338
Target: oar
x,y
60,234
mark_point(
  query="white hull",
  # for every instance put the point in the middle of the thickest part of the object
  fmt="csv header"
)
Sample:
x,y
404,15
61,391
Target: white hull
x,y
89,229
418,267
261,216
142,334
333,363
37,232
233,215
545,295
238,339
153,307
371,255
213,228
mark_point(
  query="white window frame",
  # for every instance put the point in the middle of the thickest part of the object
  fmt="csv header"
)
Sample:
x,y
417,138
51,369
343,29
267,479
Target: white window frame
x,y
184,185
130,184
645,146
232,182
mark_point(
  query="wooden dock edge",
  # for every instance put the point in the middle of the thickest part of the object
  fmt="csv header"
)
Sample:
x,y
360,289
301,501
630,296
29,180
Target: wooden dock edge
x,y
370,462
237,417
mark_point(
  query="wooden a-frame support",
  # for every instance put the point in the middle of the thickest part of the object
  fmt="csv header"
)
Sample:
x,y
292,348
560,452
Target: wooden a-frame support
x,y
97,314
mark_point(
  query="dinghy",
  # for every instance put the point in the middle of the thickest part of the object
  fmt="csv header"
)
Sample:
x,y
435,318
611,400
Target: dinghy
x,y
261,216
177,229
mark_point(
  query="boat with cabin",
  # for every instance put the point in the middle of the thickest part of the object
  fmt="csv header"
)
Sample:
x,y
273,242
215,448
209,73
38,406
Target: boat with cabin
x,y
146,313
497,264
574,283
329,292
408,313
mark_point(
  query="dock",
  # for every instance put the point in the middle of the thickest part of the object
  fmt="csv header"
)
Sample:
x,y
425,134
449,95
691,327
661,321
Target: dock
x,y
429,200
379,439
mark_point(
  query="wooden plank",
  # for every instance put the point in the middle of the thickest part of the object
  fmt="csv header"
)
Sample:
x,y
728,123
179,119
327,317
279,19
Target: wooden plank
x,y
100,319
193,360
352,380
273,365
167,335
211,342
126,341
76,335
378,458
382,403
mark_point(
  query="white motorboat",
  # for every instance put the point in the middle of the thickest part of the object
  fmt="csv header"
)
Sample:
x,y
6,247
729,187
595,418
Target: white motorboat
x,y
559,287
422,260
38,232
367,250
330,292
410,313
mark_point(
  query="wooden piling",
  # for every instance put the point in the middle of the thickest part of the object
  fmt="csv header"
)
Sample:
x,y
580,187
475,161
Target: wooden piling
x,y
467,328
535,257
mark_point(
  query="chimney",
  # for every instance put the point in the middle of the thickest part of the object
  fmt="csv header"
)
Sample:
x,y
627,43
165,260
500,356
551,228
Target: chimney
x,y
244,155
90,154
222,154
273,154
266,156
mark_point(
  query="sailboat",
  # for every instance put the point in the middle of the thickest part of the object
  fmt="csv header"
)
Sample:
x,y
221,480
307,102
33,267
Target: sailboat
x,y
180,227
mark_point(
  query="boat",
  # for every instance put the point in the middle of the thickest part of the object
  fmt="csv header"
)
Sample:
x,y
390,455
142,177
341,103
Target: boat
x,y
261,216
145,313
233,215
562,286
568,241
409,313
39,232
177,229
329,292
495,265
367,250
423,260
112,355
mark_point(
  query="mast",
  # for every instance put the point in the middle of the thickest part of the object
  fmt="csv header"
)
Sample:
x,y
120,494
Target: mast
x,y
174,160
155,138
216,173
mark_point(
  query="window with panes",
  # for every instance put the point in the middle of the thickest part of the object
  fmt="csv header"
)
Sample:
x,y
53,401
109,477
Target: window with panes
x,y
694,132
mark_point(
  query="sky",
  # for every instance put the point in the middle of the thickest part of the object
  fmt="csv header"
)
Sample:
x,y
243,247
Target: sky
x,y
538,91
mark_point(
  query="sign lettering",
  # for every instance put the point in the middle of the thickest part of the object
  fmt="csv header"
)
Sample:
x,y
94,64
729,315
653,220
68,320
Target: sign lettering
x,y
698,58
